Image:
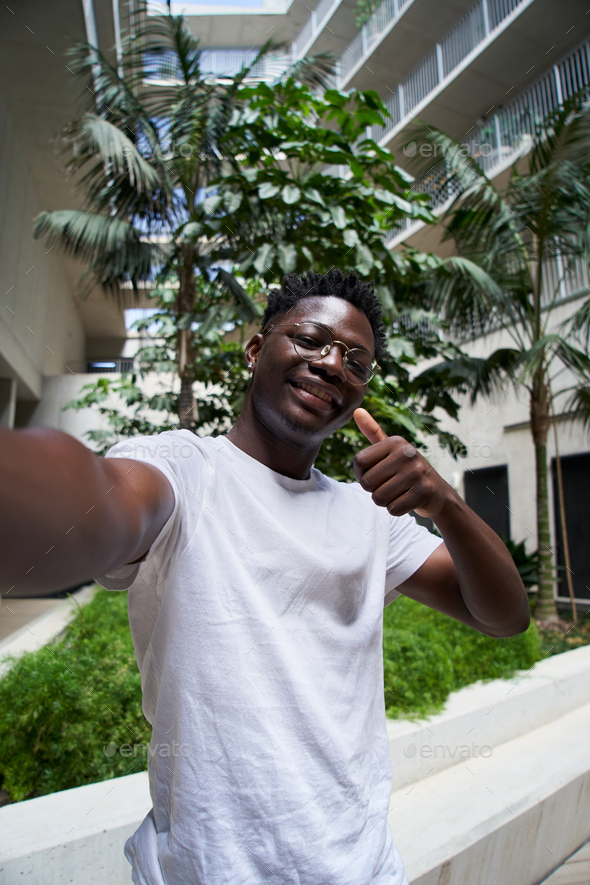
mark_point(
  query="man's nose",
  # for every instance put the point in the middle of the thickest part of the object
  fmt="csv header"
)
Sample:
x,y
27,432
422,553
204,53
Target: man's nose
x,y
333,362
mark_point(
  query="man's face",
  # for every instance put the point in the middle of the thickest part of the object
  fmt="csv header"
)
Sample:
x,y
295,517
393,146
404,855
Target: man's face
x,y
279,398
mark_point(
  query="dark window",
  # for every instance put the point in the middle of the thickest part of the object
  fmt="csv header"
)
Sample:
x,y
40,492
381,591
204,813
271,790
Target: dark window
x,y
575,470
486,492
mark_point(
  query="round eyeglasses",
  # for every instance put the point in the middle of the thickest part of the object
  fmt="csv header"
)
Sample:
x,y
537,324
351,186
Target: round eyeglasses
x,y
313,341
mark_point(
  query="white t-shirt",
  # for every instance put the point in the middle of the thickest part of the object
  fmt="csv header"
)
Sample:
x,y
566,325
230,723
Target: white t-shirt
x,y
257,624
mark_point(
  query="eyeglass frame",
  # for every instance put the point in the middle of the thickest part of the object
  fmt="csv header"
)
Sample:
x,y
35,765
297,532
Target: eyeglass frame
x,y
374,365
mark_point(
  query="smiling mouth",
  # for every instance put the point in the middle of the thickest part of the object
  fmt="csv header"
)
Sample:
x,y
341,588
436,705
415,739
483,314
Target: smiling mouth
x,y
321,394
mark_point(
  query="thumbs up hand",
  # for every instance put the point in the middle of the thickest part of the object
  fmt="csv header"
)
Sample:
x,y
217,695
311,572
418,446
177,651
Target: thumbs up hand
x,y
397,475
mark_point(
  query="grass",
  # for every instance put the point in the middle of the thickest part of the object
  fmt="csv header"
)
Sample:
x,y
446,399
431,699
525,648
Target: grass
x,y
68,710
566,636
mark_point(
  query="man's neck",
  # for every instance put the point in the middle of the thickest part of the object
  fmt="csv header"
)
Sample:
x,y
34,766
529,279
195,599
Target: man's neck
x,y
280,455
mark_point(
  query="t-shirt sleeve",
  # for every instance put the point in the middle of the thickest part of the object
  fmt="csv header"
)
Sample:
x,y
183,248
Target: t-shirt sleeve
x,y
410,545
183,466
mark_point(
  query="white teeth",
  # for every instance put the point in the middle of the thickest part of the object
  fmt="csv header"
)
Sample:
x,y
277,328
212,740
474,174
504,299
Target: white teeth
x,y
316,392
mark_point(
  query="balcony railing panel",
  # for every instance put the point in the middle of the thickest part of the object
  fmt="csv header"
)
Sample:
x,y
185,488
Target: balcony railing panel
x,y
463,37
351,55
313,24
219,63
574,71
422,80
498,10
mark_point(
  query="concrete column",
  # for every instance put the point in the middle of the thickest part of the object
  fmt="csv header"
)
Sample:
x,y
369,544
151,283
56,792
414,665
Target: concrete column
x,y
7,401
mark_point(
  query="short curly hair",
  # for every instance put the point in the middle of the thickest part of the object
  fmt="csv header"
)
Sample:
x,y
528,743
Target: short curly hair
x,y
348,286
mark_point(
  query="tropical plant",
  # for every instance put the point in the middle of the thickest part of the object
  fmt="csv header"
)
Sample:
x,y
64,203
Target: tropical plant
x,y
143,154
195,186
363,11
506,238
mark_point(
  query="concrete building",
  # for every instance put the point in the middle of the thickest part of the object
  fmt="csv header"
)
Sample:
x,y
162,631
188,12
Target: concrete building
x,y
484,71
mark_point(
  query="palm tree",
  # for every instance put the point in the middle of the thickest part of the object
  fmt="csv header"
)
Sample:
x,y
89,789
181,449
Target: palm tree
x,y
510,241
143,156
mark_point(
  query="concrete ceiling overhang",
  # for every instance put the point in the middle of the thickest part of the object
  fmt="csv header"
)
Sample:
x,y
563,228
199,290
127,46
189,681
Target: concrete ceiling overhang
x,y
536,39
228,28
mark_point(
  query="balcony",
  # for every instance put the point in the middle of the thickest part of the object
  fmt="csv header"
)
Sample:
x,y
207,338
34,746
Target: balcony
x,y
477,25
482,59
505,135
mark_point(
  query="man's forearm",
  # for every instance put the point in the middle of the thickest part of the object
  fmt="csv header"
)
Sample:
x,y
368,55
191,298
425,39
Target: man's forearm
x,y
488,579
62,518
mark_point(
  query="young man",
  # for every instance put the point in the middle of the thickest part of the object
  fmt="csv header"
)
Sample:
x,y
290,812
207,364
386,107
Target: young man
x,y
256,595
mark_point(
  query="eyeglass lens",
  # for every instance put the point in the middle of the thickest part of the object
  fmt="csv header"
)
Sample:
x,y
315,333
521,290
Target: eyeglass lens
x,y
313,342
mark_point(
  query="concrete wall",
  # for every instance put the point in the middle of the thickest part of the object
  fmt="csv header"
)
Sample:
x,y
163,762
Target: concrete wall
x,y
496,431
40,330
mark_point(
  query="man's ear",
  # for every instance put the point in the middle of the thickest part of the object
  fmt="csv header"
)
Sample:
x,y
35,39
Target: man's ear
x,y
253,347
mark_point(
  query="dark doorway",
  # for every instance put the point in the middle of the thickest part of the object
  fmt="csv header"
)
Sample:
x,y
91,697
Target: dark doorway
x,y
576,493
486,492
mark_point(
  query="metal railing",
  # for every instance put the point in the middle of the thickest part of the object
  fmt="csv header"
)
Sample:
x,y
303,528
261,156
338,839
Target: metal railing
x,y
464,37
313,25
459,42
370,33
563,277
219,63
509,132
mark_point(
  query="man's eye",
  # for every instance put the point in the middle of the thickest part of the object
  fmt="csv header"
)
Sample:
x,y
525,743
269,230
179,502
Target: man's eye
x,y
306,341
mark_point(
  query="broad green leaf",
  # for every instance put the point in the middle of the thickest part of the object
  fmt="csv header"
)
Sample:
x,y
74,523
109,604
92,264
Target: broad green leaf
x,y
338,216
264,258
211,204
232,201
287,255
267,190
308,254
363,259
291,194
384,196
350,237
356,168
312,193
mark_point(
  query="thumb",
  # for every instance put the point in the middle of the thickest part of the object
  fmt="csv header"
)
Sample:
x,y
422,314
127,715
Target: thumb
x,y
368,426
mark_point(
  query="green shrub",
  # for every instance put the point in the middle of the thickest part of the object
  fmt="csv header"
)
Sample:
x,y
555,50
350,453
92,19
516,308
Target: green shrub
x,y
62,705
427,655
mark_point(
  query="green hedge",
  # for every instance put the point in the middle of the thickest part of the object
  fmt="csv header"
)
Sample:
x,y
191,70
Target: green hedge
x,y
427,655
62,705
68,710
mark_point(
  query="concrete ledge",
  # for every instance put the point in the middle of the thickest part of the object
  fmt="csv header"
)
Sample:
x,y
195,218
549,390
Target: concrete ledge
x,y
44,629
511,816
483,716
511,819
73,836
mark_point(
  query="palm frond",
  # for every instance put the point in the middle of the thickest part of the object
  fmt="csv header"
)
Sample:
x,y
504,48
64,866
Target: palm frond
x,y
102,142
475,375
316,72
466,296
578,405
114,250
